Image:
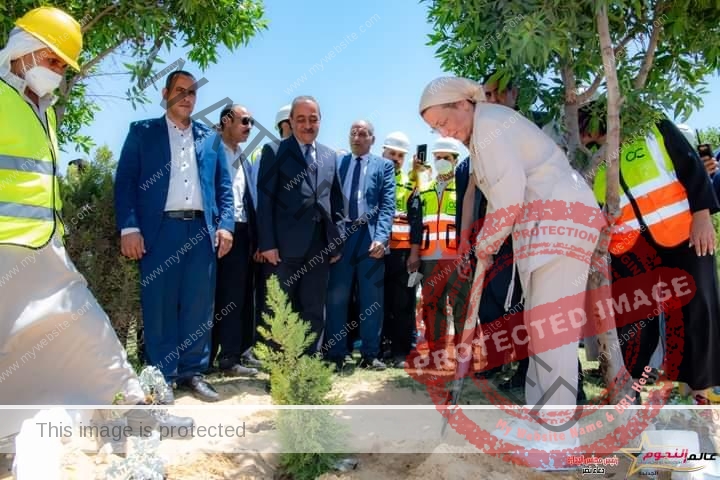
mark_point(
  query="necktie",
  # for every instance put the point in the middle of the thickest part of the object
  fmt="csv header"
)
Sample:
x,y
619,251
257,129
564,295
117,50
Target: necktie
x,y
308,155
355,190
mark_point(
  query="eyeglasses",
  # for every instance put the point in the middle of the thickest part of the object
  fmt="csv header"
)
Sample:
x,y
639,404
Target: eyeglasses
x,y
245,121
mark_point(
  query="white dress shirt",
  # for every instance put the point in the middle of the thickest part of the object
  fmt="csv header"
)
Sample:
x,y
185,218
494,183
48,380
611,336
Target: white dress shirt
x,y
313,154
347,186
239,181
185,192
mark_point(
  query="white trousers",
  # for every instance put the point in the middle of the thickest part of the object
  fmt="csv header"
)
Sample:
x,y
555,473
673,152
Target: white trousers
x,y
554,369
57,346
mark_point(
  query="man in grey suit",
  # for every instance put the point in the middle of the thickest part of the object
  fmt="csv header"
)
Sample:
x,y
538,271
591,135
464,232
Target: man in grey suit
x,y
300,201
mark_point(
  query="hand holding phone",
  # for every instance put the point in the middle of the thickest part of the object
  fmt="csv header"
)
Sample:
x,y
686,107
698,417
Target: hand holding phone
x,y
705,150
421,153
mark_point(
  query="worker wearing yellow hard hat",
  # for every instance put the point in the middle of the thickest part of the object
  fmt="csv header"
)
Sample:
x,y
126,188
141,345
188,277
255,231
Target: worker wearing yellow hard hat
x,y
47,310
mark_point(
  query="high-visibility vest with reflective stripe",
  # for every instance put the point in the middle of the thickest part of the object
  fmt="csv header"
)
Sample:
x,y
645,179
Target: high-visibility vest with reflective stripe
x,y
439,239
653,187
30,202
400,234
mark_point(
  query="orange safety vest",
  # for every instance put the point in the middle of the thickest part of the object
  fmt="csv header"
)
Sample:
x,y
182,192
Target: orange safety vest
x,y
400,233
650,185
439,229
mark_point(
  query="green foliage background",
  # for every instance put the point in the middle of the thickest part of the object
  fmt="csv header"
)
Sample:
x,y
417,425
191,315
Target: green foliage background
x,y
93,242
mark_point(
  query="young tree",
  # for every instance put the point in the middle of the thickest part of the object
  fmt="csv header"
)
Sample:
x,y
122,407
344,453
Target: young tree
x,y
139,29
650,55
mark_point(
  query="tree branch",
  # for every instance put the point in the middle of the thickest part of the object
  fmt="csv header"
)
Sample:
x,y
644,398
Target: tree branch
x,y
106,96
642,75
88,66
585,96
152,56
92,22
612,366
105,74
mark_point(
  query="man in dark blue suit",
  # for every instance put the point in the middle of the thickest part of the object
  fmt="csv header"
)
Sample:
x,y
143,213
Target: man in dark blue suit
x,y
494,301
299,201
174,208
368,185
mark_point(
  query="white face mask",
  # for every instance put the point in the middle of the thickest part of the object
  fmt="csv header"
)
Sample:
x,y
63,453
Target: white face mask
x,y
443,166
42,80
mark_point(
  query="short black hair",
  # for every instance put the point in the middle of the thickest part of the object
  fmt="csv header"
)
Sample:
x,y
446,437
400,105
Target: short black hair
x,y
171,77
226,115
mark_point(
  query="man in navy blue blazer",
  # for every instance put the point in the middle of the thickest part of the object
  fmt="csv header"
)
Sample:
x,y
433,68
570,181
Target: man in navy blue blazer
x,y
174,208
368,183
299,201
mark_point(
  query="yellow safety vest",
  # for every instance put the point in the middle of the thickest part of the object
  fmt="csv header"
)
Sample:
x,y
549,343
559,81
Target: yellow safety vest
x,y
255,155
30,202
400,234
439,229
652,186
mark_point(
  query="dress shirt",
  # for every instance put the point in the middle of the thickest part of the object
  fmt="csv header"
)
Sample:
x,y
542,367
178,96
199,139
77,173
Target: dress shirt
x,y
185,192
313,153
441,186
347,185
239,181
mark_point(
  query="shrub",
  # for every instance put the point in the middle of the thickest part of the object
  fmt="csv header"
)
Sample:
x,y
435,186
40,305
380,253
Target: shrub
x,y
310,439
93,243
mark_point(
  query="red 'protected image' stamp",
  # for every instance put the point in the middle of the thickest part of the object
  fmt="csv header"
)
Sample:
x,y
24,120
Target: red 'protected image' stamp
x,y
492,343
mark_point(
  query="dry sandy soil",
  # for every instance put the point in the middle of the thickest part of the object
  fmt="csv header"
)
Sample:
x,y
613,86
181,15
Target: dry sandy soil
x,y
186,462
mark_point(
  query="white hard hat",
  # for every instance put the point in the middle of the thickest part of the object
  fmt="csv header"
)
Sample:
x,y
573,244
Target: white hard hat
x,y
282,115
689,133
397,141
446,144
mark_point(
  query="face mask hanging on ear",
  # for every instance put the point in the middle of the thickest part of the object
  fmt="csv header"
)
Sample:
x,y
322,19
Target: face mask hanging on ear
x,y
42,80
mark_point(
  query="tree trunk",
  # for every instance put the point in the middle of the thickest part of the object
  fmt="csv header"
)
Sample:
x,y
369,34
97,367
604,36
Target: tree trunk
x,y
612,366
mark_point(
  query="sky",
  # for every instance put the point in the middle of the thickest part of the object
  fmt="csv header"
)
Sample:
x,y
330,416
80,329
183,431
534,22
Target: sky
x,y
377,75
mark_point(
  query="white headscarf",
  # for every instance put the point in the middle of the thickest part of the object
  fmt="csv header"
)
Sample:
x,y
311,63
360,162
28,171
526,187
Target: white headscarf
x,y
20,43
444,90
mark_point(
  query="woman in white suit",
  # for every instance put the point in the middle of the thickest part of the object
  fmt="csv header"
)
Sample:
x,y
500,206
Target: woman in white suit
x,y
520,170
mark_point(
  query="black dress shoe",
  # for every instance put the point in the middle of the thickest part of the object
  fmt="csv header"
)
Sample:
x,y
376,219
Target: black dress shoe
x,y
238,369
372,364
202,389
250,361
516,381
342,366
399,361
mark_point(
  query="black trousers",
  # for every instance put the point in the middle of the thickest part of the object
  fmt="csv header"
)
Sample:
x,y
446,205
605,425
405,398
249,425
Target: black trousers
x,y
700,364
232,332
399,325
305,283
